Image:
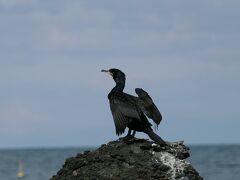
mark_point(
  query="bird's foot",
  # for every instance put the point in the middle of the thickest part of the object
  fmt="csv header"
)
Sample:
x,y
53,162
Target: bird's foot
x,y
128,137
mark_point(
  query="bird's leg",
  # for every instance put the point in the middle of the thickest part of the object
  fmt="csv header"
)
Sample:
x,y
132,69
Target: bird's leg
x,y
133,134
129,133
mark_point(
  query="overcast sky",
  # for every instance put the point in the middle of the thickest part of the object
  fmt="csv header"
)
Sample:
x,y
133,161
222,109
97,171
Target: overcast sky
x,y
184,53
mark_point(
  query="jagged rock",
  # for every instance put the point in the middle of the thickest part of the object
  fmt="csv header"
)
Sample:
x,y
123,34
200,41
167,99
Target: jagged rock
x,y
130,159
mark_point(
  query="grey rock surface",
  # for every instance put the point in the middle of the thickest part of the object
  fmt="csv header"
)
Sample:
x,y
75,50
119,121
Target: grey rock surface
x,y
128,159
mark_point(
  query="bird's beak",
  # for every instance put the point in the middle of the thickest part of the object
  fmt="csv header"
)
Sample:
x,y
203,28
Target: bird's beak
x,y
103,70
107,71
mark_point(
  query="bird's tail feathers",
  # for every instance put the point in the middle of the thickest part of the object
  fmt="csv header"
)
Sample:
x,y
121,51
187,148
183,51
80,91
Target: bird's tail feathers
x,y
157,139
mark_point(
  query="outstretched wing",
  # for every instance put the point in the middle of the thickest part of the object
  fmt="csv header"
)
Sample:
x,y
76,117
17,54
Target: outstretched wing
x,y
147,105
123,108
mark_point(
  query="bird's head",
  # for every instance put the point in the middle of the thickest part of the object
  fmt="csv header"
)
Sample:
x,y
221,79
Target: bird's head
x,y
115,73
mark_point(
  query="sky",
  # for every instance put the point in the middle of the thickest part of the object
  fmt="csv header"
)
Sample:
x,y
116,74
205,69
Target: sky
x,y
185,54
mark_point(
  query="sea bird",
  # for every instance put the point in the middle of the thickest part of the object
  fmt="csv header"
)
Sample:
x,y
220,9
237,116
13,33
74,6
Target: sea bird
x,y
131,111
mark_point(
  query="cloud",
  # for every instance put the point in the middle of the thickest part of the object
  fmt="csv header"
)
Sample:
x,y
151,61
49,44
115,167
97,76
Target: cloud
x,y
89,30
10,3
19,118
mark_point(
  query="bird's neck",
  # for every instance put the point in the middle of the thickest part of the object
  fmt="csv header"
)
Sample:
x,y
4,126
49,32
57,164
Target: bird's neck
x,y
120,84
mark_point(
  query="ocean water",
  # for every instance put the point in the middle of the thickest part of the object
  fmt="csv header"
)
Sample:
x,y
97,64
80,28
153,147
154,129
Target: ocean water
x,y
221,162
38,164
212,162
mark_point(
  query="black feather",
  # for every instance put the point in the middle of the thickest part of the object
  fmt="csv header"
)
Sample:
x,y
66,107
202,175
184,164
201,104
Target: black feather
x,y
147,105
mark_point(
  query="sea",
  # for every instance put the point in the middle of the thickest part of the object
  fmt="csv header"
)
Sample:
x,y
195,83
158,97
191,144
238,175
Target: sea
x,y
213,162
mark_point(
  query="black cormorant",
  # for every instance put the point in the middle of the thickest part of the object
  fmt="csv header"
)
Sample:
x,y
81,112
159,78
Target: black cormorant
x,y
130,111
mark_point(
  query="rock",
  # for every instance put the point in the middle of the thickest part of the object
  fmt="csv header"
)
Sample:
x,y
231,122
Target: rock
x,y
130,159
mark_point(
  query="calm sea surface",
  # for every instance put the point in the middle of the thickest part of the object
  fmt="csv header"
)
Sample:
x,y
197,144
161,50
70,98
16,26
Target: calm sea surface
x,y
212,162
